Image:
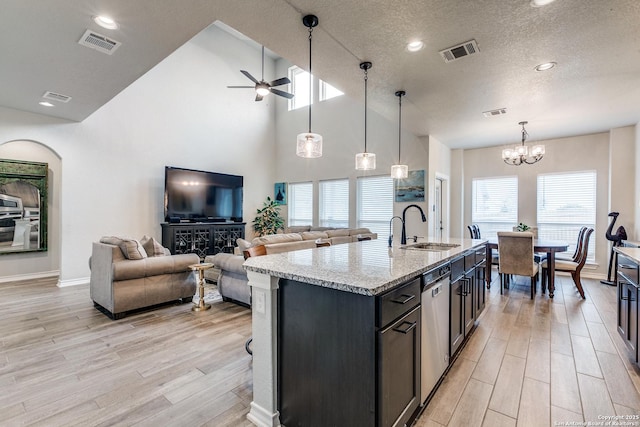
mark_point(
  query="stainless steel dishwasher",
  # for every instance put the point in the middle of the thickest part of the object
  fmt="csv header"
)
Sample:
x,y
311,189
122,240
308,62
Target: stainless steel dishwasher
x,y
435,327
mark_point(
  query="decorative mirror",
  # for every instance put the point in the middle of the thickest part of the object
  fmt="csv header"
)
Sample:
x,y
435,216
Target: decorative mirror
x,y
23,206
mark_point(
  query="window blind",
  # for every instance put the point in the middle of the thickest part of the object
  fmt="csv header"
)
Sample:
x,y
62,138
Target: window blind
x,y
300,203
375,203
566,202
494,204
334,203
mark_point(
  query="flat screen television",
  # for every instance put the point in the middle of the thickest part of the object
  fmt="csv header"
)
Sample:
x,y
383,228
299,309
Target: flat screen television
x,y
199,196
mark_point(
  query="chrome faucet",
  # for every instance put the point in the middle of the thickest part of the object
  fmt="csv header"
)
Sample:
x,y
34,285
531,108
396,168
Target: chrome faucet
x,y
403,239
390,231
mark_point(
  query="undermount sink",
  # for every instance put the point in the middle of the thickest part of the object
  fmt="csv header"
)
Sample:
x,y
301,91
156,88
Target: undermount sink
x,y
431,246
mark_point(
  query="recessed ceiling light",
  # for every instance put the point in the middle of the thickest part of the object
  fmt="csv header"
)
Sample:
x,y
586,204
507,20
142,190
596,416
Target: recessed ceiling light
x,y
105,22
45,104
546,66
415,46
540,3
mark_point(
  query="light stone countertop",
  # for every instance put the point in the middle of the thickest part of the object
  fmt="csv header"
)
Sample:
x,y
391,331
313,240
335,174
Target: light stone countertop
x,y
368,268
633,253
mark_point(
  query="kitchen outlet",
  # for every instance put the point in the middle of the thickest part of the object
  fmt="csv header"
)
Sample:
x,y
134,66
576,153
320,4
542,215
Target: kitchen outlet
x,y
260,302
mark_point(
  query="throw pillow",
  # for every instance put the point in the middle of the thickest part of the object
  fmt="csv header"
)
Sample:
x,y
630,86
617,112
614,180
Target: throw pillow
x,y
242,244
151,246
131,248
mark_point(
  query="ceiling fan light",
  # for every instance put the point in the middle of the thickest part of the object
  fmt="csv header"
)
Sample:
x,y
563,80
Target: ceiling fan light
x,y
262,89
399,171
365,161
309,145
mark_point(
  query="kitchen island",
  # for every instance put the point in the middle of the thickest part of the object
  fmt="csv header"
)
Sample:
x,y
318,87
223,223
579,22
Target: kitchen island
x,y
319,318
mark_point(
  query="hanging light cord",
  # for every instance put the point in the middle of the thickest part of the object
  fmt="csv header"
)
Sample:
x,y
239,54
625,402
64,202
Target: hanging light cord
x,y
365,109
399,125
310,78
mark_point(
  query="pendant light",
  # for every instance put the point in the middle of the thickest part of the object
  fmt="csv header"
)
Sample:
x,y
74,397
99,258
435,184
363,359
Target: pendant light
x,y
309,144
521,154
365,161
399,171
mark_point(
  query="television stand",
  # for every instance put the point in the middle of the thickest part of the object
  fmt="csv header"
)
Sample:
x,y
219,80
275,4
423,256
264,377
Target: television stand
x,y
201,238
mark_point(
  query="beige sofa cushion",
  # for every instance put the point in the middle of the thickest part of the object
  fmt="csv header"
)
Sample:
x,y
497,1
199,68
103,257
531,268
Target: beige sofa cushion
x,y
131,248
243,244
356,231
337,240
314,235
338,232
276,238
152,247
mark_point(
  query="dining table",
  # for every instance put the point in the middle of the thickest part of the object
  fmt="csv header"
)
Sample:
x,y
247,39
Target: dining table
x,y
549,247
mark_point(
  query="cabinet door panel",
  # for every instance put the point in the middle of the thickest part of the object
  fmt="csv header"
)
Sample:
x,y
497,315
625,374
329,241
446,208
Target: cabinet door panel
x,y
399,356
469,319
456,324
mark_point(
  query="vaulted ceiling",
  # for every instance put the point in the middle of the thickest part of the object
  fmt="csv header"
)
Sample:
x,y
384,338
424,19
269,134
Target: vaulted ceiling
x,y
594,87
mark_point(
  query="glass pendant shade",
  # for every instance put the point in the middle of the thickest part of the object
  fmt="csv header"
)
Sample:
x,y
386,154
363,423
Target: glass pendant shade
x,y
399,171
309,145
365,161
521,154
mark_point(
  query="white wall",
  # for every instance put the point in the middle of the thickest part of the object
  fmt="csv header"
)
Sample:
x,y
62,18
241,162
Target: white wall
x,y
439,167
180,114
340,121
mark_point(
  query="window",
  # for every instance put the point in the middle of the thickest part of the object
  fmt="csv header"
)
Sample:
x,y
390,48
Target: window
x,y
375,203
494,204
334,203
327,91
300,203
566,202
299,88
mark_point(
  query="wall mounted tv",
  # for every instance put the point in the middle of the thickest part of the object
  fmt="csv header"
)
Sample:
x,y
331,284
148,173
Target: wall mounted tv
x,y
199,196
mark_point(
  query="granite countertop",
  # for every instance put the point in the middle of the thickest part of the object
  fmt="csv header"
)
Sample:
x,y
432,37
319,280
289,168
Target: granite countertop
x,y
367,268
633,253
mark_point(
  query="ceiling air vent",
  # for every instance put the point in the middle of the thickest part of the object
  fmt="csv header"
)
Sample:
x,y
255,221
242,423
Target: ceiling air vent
x,y
56,96
496,112
460,51
99,42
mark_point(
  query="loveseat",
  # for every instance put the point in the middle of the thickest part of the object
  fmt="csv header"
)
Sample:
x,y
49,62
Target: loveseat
x,y
232,281
125,277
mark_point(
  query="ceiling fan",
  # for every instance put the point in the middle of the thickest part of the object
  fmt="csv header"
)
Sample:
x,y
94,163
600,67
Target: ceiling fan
x,y
263,88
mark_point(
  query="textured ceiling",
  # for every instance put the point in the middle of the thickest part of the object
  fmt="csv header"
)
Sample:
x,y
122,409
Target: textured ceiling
x,y
596,43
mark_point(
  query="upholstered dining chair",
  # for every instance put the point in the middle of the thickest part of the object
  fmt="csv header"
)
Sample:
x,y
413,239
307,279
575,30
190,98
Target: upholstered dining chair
x,y
573,267
516,257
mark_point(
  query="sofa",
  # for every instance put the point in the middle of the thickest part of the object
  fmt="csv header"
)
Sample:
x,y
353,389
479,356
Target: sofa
x,y
125,277
232,280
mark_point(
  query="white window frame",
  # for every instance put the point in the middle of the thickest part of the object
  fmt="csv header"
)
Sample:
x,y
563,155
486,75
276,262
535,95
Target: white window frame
x,y
300,200
333,200
328,91
375,205
488,215
294,103
566,205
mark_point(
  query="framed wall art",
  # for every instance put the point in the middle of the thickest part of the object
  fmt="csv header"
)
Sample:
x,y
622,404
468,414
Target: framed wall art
x,y
23,206
280,193
411,188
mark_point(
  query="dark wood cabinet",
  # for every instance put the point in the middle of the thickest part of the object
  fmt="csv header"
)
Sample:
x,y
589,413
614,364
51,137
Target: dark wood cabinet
x,y
627,273
201,238
467,295
348,359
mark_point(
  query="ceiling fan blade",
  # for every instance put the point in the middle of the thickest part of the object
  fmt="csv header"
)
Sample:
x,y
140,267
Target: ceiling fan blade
x,y
280,82
281,93
241,87
258,97
246,73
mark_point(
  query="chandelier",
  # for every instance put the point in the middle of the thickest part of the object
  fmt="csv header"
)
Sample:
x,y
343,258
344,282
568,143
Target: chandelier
x,y
521,154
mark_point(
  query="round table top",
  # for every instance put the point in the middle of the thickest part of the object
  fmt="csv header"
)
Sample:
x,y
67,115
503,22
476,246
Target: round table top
x,y
201,266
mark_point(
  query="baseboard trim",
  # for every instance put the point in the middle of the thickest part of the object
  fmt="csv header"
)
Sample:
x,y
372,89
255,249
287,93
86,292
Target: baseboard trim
x,y
31,276
73,282
262,417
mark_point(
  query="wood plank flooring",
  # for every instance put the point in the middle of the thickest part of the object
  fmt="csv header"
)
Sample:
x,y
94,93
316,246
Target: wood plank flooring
x,y
529,363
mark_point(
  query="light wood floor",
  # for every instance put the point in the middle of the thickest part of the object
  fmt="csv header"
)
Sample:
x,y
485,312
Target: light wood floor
x,y
530,363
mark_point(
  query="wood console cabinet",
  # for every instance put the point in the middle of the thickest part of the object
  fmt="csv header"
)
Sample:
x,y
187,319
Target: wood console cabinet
x,y
201,238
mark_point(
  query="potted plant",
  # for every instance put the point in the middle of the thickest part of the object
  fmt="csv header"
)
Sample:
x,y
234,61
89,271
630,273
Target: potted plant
x,y
268,219
523,227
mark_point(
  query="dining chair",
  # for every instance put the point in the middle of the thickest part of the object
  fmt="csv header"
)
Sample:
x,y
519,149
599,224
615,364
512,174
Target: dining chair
x,y
574,257
516,257
573,267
